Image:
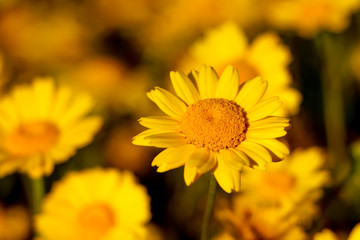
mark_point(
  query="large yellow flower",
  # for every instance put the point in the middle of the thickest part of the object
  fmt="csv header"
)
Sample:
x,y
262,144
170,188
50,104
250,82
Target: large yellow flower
x,y
95,204
41,125
214,126
266,56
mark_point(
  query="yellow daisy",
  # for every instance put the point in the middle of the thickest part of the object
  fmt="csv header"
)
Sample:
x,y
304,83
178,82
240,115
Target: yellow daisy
x,y
289,183
41,125
95,204
266,56
327,234
248,221
214,127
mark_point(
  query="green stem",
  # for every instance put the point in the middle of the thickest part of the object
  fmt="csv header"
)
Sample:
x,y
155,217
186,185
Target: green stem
x,y
209,207
37,191
334,113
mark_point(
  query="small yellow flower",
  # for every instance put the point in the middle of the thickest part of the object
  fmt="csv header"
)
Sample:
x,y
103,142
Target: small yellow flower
x,y
214,127
308,17
266,56
95,204
290,183
327,234
246,220
41,125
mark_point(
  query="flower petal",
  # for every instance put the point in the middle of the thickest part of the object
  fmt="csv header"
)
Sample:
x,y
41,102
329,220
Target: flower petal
x,y
251,93
160,122
263,109
269,122
171,155
167,102
208,165
271,132
184,88
227,178
234,160
274,146
190,174
199,157
258,154
207,82
228,85
159,138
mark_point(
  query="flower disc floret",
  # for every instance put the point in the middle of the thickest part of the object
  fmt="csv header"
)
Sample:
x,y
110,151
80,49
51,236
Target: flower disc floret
x,y
214,124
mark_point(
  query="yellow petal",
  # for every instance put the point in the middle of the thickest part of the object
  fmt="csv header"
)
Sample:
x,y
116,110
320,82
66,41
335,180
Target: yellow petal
x,y
160,122
190,174
228,85
167,102
208,165
227,178
355,233
274,146
166,140
199,157
184,88
263,109
251,93
171,155
232,159
141,138
207,82
271,132
270,122
44,95
259,155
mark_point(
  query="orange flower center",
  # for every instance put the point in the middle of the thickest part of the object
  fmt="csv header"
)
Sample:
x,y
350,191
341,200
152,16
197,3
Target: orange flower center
x,y
214,124
96,220
279,183
31,138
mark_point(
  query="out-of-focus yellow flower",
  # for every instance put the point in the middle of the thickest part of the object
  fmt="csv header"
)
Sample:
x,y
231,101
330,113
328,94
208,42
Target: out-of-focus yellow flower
x,y
120,153
119,13
95,204
41,125
308,17
167,33
111,83
288,184
41,38
14,223
214,127
248,221
327,234
266,56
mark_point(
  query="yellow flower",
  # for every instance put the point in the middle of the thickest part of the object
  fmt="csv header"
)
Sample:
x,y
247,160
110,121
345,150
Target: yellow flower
x,y
327,234
308,17
291,183
95,204
41,125
214,127
266,57
14,223
248,221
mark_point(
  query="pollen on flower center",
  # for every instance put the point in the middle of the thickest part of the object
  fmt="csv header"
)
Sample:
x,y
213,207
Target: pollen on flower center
x,y
214,124
31,138
96,219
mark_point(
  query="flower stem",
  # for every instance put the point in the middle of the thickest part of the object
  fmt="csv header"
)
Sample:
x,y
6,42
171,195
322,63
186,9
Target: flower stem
x,y
209,207
37,194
